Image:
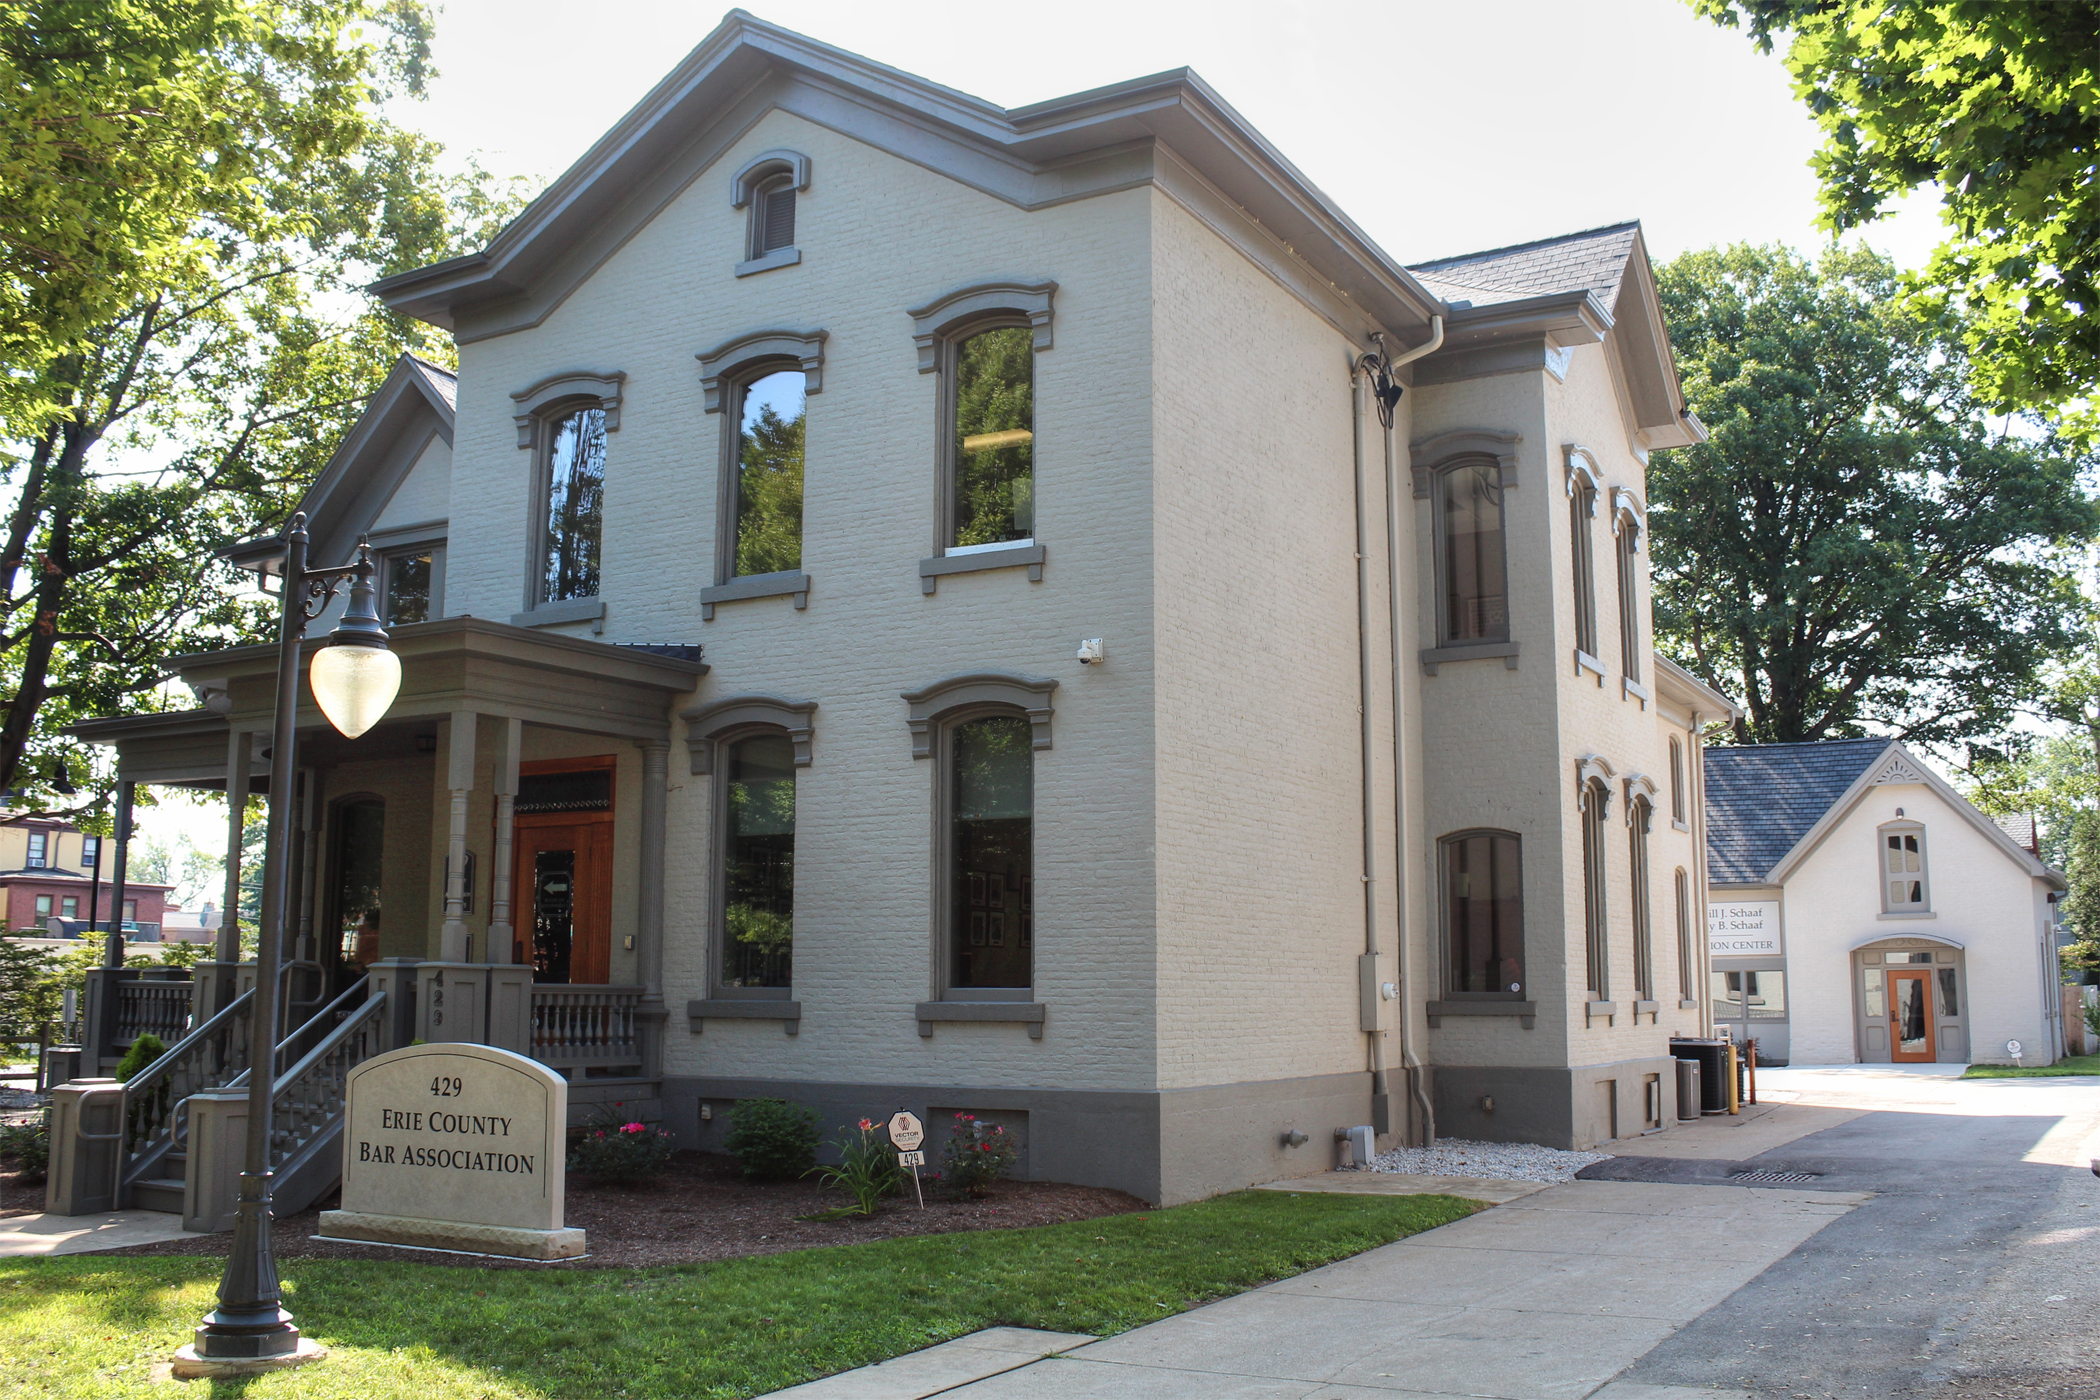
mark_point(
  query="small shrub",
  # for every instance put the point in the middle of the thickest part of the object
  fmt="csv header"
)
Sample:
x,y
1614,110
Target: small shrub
x,y
2092,1018
772,1139
29,1144
143,1052
614,1151
976,1155
867,1171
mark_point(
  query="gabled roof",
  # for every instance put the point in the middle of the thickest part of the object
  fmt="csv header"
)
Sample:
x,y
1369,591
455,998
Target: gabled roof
x,y
1761,799
415,403
1593,260
1769,805
1169,129
2020,827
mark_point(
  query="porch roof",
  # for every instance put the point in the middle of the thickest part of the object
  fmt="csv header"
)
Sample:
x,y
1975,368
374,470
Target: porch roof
x,y
453,665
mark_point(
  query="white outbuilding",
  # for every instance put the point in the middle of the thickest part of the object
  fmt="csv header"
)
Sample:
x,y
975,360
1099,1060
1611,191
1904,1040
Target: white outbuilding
x,y
1863,911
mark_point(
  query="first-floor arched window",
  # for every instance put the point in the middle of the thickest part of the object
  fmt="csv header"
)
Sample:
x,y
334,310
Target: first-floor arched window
x,y
991,853
758,861
1483,888
1639,816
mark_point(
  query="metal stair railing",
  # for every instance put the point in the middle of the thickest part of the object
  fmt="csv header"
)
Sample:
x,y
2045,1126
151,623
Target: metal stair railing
x,y
154,1120
309,1101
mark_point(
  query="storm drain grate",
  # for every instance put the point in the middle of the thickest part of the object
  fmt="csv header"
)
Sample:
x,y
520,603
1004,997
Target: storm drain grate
x,y
1767,1174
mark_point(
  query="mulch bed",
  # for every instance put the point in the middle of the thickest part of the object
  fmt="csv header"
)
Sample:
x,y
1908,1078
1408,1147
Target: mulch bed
x,y
700,1209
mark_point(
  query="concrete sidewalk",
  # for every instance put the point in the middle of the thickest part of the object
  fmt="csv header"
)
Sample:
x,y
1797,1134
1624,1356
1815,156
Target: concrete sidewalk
x,y
27,1236
1546,1298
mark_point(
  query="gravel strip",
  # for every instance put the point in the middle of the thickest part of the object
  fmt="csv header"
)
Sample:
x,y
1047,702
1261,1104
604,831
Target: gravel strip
x,y
1496,1161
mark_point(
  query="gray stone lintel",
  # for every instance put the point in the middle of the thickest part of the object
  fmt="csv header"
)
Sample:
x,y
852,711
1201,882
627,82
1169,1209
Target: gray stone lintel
x,y
790,583
1526,1011
788,1013
1433,657
946,315
733,356
1029,556
705,725
1029,1013
570,385
763,167
1028,694
590,610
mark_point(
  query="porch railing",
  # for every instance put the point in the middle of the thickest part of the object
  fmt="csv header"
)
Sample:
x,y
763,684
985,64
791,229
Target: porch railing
x,y
213,1055
156,1008
587,1030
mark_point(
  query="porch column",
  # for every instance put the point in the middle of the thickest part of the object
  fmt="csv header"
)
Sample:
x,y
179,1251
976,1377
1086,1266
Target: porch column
x,y
459,778
502,938
309,848
239,746
649,910
113,946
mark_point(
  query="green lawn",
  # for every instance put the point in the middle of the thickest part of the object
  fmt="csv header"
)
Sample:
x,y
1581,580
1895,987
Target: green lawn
x,y
2076,1064
90,1325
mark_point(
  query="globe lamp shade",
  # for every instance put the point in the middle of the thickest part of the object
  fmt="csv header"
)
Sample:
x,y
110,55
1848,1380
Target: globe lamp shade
x,y
355,685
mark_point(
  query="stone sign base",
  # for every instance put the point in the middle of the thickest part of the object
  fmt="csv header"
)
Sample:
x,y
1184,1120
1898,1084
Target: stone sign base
x,y
191,1367
506,1240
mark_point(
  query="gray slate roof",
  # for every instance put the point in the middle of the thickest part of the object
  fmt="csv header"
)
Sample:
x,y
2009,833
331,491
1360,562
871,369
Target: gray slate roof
x,y
441,379
1761,799
2019,826
1593,260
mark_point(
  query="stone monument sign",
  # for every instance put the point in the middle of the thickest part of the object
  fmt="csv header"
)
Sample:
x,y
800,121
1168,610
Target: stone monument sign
x,y
456,1146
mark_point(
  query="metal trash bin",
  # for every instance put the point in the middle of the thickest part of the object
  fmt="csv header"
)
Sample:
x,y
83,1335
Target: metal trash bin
x,y
1712,1058
1687,1089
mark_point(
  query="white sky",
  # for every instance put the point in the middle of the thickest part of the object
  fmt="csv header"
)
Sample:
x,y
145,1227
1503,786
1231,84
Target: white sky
x,y
1439,127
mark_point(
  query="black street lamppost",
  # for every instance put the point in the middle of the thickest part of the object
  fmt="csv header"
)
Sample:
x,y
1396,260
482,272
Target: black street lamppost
x,y
354,679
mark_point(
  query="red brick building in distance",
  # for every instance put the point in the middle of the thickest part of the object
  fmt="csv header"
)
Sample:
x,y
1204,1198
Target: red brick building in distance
x,y
48,870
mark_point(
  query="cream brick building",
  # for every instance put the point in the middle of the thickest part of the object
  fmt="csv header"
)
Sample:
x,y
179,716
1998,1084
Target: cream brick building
x,y
1375,806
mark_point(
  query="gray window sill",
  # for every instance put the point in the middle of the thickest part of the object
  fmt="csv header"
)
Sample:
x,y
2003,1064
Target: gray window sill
x,y
1591,1010
1433,657
766,262
1586,662
1687,1004
1634,687
1029,1013
1646,1008
791,583
591,610
1527,1011
745,1009
1028,555
1918,914
1680,825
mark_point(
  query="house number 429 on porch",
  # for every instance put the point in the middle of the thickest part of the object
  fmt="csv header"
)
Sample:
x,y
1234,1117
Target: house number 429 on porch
x,y
444,1088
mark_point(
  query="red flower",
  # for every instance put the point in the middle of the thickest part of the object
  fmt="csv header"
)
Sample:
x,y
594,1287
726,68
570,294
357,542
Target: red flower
x,y
866,1124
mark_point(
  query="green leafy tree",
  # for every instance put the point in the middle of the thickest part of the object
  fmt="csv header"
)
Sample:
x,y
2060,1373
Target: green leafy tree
x,y
192,411
1996,104
31,990
769,484
1856,545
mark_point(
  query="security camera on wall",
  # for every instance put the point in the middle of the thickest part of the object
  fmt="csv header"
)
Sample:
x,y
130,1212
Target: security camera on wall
x,y
1091,652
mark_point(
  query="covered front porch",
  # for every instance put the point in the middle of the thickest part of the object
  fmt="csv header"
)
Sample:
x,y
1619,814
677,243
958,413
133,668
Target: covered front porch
x,y
491,854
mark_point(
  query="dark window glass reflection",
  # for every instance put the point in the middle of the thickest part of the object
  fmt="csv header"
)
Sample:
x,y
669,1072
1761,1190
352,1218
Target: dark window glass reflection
x,y
769,476
1950,1003
360,835
995,437
758,876
1483,882
553,914
991,852
1476,598
575,506
407,589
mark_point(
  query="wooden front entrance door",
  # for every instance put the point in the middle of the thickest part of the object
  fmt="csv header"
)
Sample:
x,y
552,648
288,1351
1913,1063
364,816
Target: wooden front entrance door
x,y
1910,1016
564,898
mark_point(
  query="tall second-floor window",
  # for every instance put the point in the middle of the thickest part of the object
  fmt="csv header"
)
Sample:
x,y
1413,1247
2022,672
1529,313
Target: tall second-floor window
x,y
1677,811
1903,869
1474,585
1687,953
1628,533
994,453
575,506
768,494
39,849
90,852
410,581
1582,510
1483,883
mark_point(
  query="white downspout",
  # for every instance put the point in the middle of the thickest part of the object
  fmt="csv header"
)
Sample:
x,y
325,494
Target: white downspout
x,y
1401,855
1374,1059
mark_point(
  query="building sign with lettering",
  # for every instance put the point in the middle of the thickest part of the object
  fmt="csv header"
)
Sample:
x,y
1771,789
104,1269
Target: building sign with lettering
x,y
463,1134
1747,928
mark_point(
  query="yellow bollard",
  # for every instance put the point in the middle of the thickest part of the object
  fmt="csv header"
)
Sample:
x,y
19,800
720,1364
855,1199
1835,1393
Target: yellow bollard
x,y
1735,1103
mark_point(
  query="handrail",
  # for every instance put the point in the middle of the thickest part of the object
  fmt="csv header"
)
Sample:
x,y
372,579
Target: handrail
x,y
151,1110
331,1041
307,1098
350,997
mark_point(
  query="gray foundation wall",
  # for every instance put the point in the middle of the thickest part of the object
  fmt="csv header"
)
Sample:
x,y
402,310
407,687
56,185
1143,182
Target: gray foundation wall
x,y
1162,1147
1564,1107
